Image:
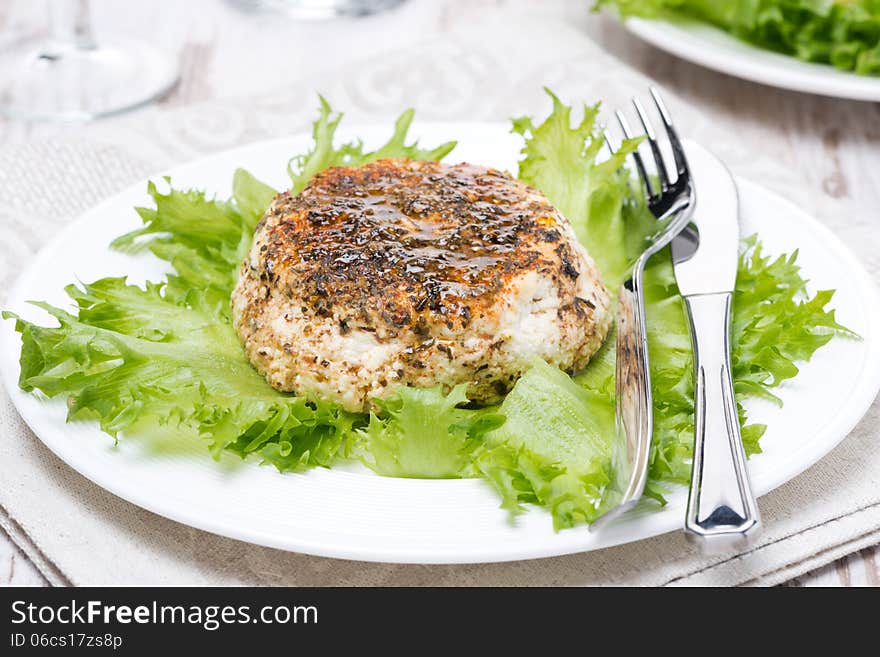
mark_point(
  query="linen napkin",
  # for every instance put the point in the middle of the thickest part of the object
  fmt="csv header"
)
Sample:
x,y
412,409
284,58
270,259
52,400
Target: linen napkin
x,y
80,534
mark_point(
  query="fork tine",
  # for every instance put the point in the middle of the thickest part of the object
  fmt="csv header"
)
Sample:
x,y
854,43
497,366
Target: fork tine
x,y
607,141
637,158
681,165
652,141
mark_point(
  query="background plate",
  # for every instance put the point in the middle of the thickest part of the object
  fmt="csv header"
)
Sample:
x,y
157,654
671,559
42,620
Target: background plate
x,y
358,515
713,48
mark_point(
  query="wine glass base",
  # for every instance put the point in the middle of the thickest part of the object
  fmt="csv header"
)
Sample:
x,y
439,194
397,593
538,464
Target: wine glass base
x,y
41,83
320,9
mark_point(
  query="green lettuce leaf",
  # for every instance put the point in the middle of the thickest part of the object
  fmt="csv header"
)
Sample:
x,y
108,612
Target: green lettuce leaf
x,y
843,33
133,359
325,154
553,448
560,159
204,239
424,433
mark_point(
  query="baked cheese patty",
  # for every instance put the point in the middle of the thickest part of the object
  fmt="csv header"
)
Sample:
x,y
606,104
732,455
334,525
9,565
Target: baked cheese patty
x,y
419,274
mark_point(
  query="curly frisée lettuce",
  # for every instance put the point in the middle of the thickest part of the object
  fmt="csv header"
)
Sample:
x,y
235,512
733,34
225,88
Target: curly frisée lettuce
x,y
324,154
424,433
139,358
133,359
554,447
843,33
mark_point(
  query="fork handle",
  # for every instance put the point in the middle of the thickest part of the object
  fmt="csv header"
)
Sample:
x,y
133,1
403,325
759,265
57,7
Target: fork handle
x,y
631,446
634,411
722,510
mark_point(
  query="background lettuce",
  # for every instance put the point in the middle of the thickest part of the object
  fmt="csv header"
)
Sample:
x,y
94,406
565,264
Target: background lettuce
x,y
844,33
138,358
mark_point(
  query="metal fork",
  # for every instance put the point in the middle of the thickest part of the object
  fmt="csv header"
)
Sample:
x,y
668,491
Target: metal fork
x,y
672,201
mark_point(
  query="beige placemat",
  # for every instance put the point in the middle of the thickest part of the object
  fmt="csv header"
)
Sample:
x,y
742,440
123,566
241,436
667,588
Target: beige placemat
x,y
85,535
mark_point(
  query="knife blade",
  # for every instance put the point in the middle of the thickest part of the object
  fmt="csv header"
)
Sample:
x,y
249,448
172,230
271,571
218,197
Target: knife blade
x,y
705,255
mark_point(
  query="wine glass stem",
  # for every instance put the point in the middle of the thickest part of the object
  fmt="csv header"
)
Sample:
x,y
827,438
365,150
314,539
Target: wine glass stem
x,y
70,27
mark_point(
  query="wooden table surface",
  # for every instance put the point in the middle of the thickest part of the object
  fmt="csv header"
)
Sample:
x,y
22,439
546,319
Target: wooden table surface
x,y
832,144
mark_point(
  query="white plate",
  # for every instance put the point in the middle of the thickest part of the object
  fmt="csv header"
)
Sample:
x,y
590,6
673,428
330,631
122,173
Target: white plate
x,y
358,515
711,47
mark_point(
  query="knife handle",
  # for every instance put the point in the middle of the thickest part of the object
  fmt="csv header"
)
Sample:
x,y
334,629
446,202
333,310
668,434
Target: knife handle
x,y
722,511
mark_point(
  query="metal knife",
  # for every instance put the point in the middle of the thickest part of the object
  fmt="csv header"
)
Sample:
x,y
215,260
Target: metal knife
x,y
721,512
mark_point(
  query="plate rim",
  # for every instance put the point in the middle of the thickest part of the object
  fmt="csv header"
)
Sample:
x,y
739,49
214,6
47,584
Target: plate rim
x,y
769,68
78,459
